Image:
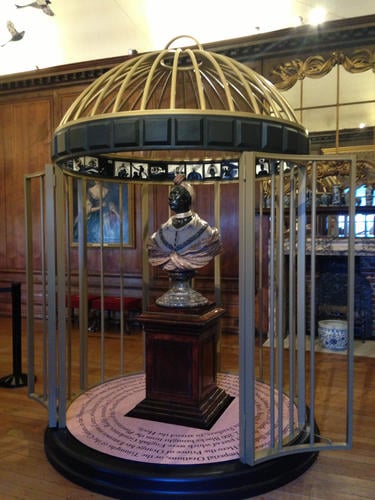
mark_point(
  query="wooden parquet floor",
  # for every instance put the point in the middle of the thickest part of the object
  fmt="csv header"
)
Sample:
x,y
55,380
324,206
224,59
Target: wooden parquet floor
x,y
25,472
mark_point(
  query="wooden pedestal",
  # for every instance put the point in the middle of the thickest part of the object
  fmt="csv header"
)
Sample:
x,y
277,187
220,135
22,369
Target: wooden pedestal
x,y
181,366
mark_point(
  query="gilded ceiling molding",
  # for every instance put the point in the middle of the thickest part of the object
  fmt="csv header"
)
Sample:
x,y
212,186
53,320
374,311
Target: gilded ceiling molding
x,y
286,75
341,34
48,79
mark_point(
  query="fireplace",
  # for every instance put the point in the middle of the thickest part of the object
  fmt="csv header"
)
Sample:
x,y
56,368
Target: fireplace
x,y
331,293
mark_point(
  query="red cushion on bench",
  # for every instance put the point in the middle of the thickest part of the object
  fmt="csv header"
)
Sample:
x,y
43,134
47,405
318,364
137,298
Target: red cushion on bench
x,y
73,300
114,303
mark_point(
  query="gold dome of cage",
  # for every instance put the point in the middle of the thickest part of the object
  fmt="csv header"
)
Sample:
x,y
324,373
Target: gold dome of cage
x,y
179,99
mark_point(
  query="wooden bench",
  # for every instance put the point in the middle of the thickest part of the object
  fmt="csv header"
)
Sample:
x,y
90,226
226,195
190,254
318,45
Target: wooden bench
x,y
130,307
72,302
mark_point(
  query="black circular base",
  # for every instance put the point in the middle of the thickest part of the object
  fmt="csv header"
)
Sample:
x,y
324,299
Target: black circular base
x,y
121,478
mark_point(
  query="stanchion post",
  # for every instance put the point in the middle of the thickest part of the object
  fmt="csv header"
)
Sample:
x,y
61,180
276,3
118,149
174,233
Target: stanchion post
x,y
17,378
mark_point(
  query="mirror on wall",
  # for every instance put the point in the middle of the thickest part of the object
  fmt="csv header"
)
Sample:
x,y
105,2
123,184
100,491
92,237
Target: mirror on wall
x,y
335,100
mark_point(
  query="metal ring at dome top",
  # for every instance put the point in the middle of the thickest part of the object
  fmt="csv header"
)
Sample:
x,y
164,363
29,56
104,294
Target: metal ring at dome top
x,y
178,56
200,47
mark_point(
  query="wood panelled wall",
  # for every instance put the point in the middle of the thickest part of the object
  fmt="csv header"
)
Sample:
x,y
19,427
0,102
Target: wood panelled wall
x,y
27,124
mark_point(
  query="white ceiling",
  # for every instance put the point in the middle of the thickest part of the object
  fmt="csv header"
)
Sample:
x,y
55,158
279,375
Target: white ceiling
x,y
83,30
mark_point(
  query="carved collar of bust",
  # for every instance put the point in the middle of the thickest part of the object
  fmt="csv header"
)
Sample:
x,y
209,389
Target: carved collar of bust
x,y
179,220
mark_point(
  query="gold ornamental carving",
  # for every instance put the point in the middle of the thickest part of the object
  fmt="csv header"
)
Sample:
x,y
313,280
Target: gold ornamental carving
x,y
333,172
287,74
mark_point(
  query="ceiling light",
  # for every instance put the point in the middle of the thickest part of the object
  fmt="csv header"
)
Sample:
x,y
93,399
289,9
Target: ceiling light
x,y
317,16
362,125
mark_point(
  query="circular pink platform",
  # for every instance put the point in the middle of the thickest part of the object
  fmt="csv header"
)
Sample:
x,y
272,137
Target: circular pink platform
x,y
97,418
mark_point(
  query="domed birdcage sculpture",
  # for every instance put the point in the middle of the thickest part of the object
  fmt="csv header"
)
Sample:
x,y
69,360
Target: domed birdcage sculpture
x,y
176,105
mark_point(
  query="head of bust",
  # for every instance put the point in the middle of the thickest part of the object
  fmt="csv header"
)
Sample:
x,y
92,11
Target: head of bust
x,y
179,199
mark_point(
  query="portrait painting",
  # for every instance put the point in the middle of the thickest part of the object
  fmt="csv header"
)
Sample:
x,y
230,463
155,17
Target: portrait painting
x,y
107,207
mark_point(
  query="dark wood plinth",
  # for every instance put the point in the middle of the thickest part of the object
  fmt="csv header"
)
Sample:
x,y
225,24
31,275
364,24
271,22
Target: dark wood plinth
x,y
181,367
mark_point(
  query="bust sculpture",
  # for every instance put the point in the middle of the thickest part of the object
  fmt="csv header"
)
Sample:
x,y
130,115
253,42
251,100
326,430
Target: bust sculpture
x,y
185,242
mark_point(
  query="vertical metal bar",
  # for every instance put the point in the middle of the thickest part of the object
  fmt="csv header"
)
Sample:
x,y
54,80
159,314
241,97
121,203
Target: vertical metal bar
x,y
301,292
292,295
145,222
82,280
261,283
273,292
280,306
51,287
29,288
217,267
246,307
145,235
61,296
312,301
351,289
217,259
120,187
68,289
102,312
43,253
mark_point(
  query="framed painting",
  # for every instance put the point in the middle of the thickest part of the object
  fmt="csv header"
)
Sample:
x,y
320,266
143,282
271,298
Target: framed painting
x,y
108,212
